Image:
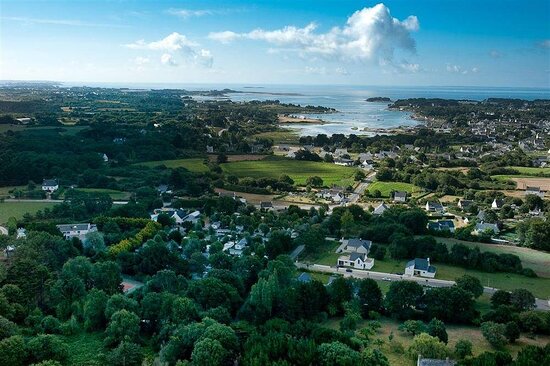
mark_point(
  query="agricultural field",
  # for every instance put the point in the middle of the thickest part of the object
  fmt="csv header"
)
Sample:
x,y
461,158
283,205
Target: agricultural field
x,y
299,171
242,157
193,164
387,187
530,170
18,209
281,136
5,191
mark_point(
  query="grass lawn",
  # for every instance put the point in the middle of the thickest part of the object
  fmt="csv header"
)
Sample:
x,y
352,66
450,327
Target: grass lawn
x,y
114,194
299,171
387,187
4,191
18,209
540,287
530,258
193,164
325,255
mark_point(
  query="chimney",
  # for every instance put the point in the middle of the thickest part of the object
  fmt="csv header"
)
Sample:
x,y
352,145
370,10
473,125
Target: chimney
x,y
428,261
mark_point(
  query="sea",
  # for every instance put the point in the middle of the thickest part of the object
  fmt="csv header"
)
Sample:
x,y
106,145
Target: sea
x,y
354,114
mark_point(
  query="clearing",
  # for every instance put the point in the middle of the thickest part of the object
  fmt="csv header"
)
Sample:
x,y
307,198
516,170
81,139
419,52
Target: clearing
x,y
299,171
114,194
387,187
195,165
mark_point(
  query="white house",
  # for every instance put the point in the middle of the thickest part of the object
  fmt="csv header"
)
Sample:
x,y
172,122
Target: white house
x,y
239,247
76,230
177,215
497,204
50,185
400,196
334,195
465,204
535,191
420,267
356,260
483,227
434,207
21,233
379,210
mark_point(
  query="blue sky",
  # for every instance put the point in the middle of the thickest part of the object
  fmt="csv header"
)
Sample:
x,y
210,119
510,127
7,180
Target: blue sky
x,y
423,42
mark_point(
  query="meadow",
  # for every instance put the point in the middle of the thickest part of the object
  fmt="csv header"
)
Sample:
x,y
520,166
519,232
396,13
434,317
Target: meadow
x,y
387,187
18,209
192,164
114,194
299,171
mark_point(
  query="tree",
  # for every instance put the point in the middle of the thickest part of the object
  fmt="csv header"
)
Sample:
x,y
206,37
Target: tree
x,y
337,353
359,175
7,328
123,326
208,352
13,351
221,158
369,296
118,302
463,348
494,333
402,297
126,354
427,346
512,332
436,328
501,297
470,284
522,300
93,244
374,357
94,310
106,276
47,347
414,327
165,220
184,310
314,181
340,291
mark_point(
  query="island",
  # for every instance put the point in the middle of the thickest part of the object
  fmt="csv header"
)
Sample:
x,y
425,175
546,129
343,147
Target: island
x,y
378,99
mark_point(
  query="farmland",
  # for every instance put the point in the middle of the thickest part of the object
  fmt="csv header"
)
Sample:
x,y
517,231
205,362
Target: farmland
x,y
18,209
299,171
193,164
386,188
114,194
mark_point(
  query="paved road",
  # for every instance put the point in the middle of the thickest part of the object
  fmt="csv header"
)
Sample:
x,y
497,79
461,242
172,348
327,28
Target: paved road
x,y
360,189
296,252
432,282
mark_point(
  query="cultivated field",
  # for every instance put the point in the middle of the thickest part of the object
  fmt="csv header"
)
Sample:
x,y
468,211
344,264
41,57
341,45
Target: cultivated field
x,y
282,136
193,164
299,171
5,191
114,194
387,187
18,209
530,170
233,158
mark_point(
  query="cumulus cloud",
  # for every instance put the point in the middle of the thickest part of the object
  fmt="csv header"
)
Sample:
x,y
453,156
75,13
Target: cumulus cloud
x,y
409,67
176,44
188,13
140,61
369,34
316,70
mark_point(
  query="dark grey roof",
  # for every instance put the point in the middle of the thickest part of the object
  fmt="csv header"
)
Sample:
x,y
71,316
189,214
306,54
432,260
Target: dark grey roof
x,y
353,256
435,205
421,264
266,204
400,194
49,182
356,243
435,362
72,227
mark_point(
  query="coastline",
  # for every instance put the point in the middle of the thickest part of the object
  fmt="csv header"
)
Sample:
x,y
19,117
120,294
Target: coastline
x,y
291,119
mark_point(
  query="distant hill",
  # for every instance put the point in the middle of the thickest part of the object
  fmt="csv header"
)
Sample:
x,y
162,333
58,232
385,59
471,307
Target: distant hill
x,y
378,99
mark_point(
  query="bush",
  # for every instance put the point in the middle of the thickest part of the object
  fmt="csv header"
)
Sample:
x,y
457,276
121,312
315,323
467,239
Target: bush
x,y
47,347
50,325
463,348
494,333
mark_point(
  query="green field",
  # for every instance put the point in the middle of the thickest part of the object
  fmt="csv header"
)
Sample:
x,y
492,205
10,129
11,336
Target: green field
x,y
299,171
530,170
387,187
4,191
193,164
114,194
18,209
536,260
282,136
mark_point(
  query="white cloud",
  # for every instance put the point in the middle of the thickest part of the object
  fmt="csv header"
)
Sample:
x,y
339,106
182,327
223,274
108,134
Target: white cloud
x,y
67,22
456,69
341,71
409,67
173,44
140,61
369,34
316,70
188,13
167,59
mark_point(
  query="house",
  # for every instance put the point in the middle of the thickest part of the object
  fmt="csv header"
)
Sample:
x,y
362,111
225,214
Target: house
x,y
400,196
465,204
497,204
340,152
163,188
434,207
21,233
434,362
356,245
304,277
50,185
356,260
335,195
227,194
343,161
481,215
379,210
76,230
534,191
441,225
266,205
484,227
239,247
178,215
209,149
420,267
24,120
193,217
105,158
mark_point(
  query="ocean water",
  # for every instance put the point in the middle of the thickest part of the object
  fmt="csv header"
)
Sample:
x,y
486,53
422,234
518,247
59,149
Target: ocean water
x,y
353,114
